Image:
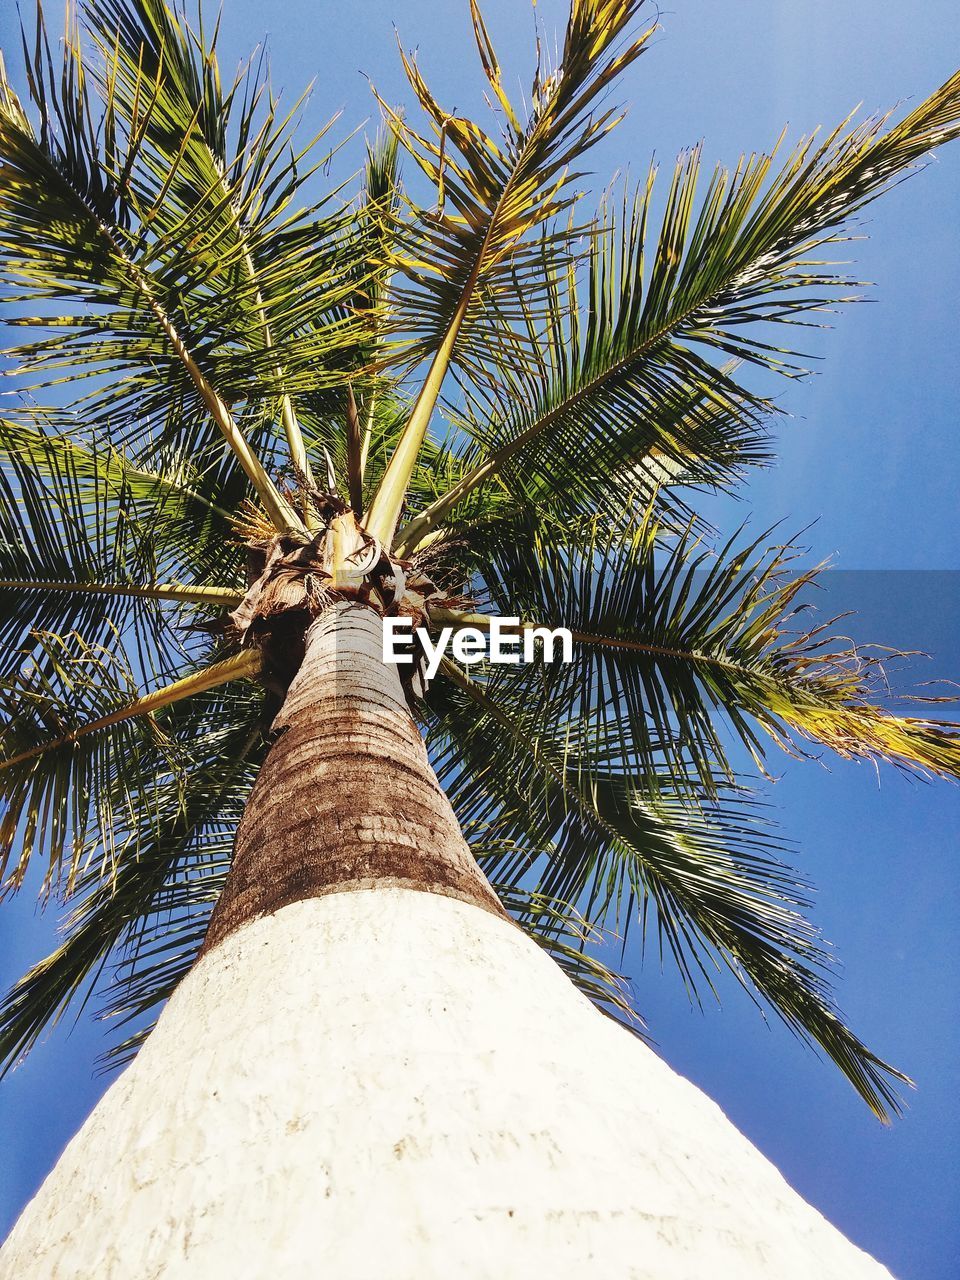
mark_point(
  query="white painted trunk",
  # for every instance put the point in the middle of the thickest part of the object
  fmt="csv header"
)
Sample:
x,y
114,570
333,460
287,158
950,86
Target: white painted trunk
x,y
397,1085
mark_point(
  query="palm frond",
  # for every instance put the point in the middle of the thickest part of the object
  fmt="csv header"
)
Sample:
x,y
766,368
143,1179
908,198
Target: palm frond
x,y
70,231
188,829
77,519
61,776
493,199
492,193
228,206
570,455
705,871
378,215
718,272
678,645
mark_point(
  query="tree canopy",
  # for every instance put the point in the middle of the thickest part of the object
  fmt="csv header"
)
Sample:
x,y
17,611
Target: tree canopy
x,y
514,398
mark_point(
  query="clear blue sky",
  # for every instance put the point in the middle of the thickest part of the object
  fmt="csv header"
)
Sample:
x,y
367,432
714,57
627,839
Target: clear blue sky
x,y
870,455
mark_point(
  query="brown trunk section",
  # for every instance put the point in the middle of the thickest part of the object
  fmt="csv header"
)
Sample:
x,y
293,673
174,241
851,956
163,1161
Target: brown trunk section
x,y
346,798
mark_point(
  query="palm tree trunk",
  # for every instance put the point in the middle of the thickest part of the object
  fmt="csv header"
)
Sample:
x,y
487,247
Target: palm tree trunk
x,y
396,1083
346,798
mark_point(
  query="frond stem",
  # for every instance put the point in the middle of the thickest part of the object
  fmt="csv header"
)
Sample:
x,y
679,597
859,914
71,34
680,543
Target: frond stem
x,y
354,454
416,529
243,665
281,513
154,591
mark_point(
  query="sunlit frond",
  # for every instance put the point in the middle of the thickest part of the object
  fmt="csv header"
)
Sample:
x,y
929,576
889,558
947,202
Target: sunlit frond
x,y
180,311
565,435
704,873
493,198
677,644
185,836
62,777
74,512
721,271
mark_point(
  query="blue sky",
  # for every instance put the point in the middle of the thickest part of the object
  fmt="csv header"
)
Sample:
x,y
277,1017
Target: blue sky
x,y
868,459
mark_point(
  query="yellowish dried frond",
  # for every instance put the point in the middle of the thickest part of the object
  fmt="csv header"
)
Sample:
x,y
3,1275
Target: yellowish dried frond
x,y
866,731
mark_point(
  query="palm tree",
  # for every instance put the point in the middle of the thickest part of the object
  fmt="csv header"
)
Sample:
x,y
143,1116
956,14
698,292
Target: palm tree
x,y
226,470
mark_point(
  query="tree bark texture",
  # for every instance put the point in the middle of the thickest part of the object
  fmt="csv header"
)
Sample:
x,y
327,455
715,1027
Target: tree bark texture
x,y
346,798
397,1086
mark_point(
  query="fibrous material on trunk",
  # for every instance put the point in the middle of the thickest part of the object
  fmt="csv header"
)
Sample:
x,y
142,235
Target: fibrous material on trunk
x,y
399,1084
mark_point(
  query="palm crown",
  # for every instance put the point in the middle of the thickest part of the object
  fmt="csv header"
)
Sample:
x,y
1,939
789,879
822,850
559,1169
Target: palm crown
x,y
250,428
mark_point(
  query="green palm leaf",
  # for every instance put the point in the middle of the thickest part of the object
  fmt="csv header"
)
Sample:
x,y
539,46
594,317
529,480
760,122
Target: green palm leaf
x,y
501,195
70,230
747,254
84,535
82,753
493,193
677,645
190,822
704,872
